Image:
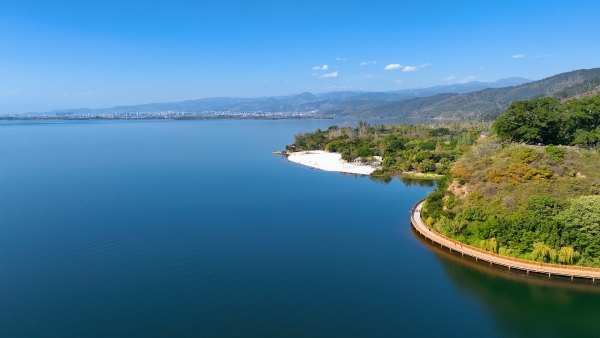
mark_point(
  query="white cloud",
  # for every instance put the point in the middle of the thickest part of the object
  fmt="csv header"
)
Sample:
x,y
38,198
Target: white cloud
x,y
398,81
467,79
542,56
393,66
415,68
340,87
448,79
369,76
325,67
330,75
518,56
340,59
367,63
314,74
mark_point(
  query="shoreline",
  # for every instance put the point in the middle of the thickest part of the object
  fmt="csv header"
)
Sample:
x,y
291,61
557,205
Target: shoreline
x,y
572,271
421,176
322,160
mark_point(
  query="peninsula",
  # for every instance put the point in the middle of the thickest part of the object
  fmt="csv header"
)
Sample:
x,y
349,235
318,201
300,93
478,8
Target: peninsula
x,y
526,187
419,150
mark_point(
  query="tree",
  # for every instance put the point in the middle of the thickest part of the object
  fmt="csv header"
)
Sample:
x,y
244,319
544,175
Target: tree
x,y
426,166
581,221
531,121
489,245
567,255
542,252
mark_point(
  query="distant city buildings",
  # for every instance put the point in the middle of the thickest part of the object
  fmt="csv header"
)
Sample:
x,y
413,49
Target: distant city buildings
x,y
160,115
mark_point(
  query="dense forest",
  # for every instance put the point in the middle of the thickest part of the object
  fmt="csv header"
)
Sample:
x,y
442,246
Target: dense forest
x,y
419,148
551,121
526,199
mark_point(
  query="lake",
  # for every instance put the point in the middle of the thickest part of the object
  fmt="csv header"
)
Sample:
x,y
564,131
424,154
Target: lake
x,y
193,228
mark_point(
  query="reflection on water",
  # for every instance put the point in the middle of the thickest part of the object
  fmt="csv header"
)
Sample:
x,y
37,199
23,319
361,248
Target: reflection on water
x,y
526,306
385,179
418,183
409,182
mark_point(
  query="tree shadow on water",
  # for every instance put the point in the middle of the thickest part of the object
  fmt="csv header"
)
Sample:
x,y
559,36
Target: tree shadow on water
x,y
526,306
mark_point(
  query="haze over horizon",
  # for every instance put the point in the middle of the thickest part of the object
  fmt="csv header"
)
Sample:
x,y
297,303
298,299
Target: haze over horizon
x,y
64,54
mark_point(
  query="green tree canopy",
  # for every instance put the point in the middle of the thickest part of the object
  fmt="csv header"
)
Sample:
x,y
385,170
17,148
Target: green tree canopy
x,y
535,120
581,221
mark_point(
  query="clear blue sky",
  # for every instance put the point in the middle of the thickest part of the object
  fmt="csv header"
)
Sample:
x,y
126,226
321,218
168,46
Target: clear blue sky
x,y
69,54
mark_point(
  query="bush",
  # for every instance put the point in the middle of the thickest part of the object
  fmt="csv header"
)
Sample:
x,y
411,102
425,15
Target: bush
x,y
555,153
524,155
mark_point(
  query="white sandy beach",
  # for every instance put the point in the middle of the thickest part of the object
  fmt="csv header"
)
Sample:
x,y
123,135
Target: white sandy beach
x,y
323,160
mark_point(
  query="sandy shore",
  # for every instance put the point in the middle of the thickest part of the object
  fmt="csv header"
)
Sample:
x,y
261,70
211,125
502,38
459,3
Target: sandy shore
x,y
323,160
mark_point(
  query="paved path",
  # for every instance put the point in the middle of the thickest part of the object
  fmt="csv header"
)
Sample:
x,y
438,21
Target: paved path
x,y
511,263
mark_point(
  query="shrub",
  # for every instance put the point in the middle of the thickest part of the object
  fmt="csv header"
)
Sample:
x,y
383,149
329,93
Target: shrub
x,y
474,214
555,153
542,252
489,245
567,255
461,173
524,155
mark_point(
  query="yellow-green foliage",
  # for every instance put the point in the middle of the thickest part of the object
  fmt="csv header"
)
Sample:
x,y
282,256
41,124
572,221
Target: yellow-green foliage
x,y
517,172
525,201
489,245
567,255
542,252
524,155
461,173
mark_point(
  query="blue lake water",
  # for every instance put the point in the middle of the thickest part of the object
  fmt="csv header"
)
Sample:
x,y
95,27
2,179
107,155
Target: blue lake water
x,y
193,228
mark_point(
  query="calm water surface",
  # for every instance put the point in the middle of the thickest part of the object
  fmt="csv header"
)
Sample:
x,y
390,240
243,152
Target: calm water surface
x,y
167,228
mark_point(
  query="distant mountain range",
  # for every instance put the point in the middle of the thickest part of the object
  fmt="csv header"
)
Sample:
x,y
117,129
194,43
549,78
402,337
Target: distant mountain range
x,y
483,102
324,102
455,101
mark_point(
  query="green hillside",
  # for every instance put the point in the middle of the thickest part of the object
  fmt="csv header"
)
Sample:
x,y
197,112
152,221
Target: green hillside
x,y
587,87
509,195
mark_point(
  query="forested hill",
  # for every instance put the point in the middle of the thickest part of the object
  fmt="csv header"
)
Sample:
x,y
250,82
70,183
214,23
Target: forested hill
x,y
513,194
586,88
487,101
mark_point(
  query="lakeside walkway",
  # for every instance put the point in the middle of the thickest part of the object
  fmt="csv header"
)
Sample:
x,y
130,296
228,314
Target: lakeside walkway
x,y
492,258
